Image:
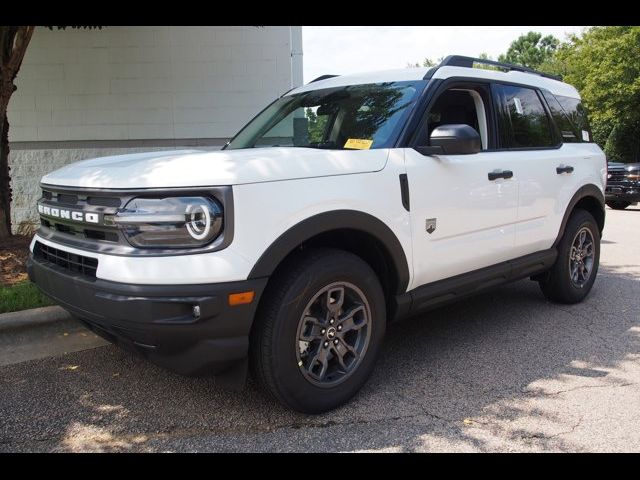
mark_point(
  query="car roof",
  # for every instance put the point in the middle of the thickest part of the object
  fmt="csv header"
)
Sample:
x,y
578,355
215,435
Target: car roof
x,y
556,87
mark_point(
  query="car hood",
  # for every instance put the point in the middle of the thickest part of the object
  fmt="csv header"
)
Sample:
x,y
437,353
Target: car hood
x,y
194,168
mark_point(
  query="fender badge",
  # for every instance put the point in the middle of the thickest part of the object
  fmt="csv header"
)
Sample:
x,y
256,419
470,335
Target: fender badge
x,y
431,225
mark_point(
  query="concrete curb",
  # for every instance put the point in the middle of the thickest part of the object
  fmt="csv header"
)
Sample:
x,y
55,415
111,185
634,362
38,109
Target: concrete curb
x,y
32,318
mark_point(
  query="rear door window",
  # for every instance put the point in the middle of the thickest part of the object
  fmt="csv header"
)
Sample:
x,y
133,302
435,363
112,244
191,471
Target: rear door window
x,y
522,118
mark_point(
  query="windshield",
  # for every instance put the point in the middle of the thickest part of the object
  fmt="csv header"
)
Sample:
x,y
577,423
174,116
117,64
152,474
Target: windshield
x,y
351,117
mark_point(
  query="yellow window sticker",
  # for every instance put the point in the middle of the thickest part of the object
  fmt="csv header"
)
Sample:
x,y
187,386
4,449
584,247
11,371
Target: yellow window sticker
x,y
358,143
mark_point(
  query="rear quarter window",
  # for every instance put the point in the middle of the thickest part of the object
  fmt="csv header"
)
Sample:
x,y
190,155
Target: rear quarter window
x,y
570,117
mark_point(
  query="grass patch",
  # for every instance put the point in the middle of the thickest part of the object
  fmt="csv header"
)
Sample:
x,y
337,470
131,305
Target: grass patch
x,y
21,296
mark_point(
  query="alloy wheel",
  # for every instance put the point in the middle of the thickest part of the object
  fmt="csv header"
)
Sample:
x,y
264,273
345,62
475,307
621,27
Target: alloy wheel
x,y
581,257
333,334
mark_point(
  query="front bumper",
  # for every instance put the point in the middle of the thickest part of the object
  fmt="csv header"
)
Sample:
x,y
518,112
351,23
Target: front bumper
x,y
623,193
157,321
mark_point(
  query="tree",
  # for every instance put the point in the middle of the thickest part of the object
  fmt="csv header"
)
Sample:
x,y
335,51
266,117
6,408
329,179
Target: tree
x,y
486,56
14,41
530,50
13,46
317,125
427,62
603,63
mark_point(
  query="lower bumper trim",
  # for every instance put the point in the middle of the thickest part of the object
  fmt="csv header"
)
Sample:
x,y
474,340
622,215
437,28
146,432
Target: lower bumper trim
x,y
157,321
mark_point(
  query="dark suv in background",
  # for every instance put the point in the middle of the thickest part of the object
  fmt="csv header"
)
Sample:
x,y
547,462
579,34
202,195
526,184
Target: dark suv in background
x,y
623,185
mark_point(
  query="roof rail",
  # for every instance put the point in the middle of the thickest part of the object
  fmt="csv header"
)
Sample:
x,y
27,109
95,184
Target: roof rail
x,y
462,61
323,77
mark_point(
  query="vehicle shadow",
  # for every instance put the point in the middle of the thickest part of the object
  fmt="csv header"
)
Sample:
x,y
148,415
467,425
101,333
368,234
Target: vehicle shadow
x,y
450,379
631,208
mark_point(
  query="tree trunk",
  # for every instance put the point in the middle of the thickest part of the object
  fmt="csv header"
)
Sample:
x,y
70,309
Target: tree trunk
x,y
5,179
13,45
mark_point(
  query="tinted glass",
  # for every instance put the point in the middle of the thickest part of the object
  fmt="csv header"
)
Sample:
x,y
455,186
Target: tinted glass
x,y
577,114
355,116
523,120
569,132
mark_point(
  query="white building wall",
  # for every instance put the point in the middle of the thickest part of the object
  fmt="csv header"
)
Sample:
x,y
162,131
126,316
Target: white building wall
x,y
122,83
87,93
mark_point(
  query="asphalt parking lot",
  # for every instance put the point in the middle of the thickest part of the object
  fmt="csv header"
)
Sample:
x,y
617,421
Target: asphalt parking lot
x,y
503,371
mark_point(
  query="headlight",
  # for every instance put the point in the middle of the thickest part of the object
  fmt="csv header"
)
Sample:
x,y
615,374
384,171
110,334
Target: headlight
x,y
173,222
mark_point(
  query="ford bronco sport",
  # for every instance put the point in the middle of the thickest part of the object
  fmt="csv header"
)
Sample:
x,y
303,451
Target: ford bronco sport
x,y
347,203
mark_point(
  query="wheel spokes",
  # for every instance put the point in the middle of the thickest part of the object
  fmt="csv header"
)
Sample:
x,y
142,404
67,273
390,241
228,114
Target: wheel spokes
x,y
574,272
588,249
349,321
312,329
335,300
582,238
317,367
572,254
582,257
333,333
342,349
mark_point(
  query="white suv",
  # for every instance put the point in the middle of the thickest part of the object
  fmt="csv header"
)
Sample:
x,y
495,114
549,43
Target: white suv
x,y
347,203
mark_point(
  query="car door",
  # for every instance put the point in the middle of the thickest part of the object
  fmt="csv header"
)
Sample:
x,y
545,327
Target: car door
x,y
463,211
543,164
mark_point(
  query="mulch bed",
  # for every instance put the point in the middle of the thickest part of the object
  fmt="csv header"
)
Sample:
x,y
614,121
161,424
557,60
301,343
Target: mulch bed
x,y
13,259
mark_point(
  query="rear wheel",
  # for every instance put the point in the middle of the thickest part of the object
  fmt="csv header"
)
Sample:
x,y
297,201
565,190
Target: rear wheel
x,y
319,330
617,205
572,276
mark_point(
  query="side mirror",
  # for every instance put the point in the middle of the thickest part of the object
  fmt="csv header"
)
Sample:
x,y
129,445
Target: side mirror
x,y
454,139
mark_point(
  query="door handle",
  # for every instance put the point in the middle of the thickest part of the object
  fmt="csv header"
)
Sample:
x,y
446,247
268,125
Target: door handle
x,y
500,174
564,169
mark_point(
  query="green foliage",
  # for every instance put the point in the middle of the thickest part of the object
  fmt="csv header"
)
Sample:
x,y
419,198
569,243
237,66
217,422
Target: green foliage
x,y
485,56
317,125
21,296
530,50
622,143
604,65
427,62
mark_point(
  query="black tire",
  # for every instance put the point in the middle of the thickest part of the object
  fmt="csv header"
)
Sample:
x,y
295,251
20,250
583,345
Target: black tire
x,y
616,205
557,285
275,345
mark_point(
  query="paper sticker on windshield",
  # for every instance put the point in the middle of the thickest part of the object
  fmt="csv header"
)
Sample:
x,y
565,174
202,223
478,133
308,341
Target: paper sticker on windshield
x,y
358,143
585,136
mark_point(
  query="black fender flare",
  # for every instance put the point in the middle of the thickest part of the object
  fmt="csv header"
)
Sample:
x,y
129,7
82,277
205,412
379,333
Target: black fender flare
x,y
588,190
334,220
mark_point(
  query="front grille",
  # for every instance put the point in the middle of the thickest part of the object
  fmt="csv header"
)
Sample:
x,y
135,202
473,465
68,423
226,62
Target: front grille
x,y
69,261
89,235
104,201
81,232
617,176
67,199
80,199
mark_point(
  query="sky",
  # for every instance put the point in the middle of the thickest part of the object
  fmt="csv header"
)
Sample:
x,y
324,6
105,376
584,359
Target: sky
x,y
342,50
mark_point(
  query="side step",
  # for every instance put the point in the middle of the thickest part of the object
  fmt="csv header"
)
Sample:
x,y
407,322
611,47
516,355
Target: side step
x,y
445,291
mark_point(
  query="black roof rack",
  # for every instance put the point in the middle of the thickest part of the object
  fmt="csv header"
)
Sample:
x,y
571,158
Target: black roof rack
x,y
462,61
323,77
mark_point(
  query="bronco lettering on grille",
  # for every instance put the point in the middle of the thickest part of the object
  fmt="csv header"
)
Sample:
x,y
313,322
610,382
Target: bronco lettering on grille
x,y
65,214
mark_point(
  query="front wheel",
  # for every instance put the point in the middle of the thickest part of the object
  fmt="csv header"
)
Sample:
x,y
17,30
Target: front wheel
x,y
572,276
319,330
